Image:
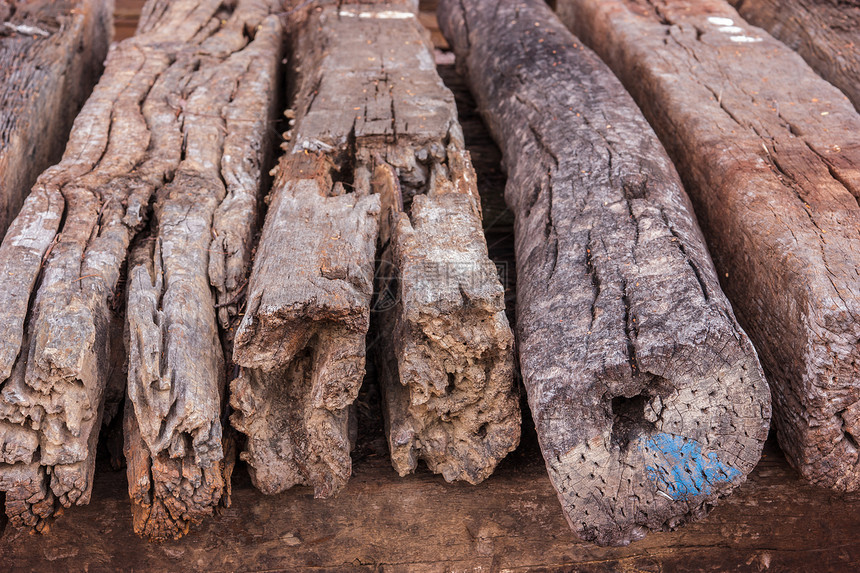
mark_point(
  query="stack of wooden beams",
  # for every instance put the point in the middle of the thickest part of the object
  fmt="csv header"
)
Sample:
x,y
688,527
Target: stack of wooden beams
x,y
159,281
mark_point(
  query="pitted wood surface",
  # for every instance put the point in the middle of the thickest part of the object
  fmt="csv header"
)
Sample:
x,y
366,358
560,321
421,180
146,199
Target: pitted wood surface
x,y
647,396
770,154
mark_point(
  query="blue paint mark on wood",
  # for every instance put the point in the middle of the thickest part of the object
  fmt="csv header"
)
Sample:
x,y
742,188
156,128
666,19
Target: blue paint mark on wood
x,y
677,467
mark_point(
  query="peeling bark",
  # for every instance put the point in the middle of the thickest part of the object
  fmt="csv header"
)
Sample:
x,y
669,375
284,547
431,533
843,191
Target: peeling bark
x,y
770,153
648,399
373,116
51,55
195,258
63,256
826,33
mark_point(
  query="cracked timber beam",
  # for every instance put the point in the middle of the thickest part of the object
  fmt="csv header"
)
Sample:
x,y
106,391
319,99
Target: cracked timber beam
x,y
374,126
444,346
826,33
139,135
770,154
647,396
51,55
196,257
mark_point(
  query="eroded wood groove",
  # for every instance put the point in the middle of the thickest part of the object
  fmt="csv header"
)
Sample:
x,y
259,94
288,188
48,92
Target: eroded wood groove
x,y
647,396
375,130
151,127
770,153
184,279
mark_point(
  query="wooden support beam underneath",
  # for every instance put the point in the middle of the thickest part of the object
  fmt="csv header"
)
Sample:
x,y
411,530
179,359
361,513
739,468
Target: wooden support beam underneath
x,y
770,154
511,521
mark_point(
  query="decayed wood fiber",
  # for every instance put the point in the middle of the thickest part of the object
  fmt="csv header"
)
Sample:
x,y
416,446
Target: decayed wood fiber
x,y
156,123
770,154
196,256
647,396
51,55
374,126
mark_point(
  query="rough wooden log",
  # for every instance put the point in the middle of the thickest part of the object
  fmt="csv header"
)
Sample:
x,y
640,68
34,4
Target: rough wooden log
x,y
647,396
369,102
770,154
444,346
826,33
198,253
63,255
51,55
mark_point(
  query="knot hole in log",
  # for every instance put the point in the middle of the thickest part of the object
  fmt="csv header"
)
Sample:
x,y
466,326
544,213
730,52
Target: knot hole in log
x,y
637,415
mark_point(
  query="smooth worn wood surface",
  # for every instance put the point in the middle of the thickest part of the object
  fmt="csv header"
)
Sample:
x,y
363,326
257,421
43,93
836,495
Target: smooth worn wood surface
x,y
770,155
647,396
51,55
510,522
196,255
826,33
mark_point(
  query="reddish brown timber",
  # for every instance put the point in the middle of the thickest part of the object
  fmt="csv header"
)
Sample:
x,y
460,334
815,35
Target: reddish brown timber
x,y
826,33
63,255
647,396
373,122
770,154
196,257
51,55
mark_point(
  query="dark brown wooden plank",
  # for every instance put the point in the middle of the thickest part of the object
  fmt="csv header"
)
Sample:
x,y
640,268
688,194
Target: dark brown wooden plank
x,y
197,255
510,522
51,55
770,154
826,33
647,396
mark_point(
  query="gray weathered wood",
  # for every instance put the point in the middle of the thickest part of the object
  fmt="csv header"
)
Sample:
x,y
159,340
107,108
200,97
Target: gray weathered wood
x,y
51,55
770,153
442,339
369,102
647,396
196,256
826,33
63,256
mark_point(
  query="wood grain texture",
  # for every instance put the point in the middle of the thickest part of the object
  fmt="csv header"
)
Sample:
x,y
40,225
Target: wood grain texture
x,y
443,344
51,55
510,522
301,343
770,154
138,136
826,33
648,398
195,257
373,123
